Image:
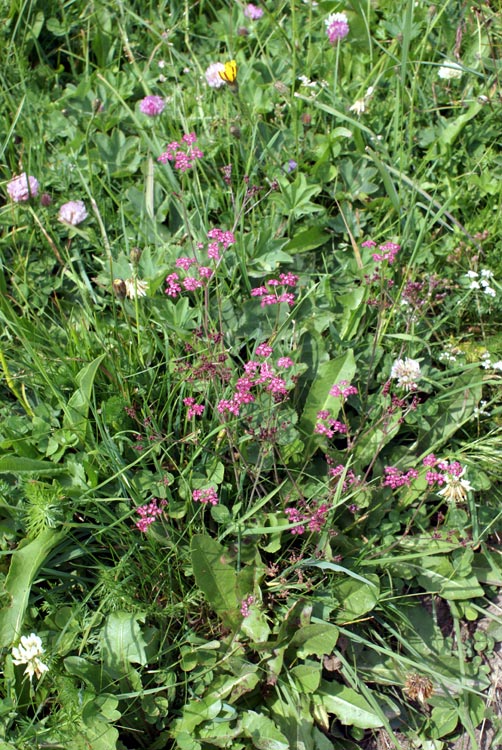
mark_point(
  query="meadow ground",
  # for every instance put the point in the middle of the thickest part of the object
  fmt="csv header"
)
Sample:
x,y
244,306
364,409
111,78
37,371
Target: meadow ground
x,y
251,358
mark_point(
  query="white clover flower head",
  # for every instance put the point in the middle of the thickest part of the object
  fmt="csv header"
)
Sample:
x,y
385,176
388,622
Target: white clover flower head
x,y
213,78
450,71
456,488
406,372
135,288
73,213
28,652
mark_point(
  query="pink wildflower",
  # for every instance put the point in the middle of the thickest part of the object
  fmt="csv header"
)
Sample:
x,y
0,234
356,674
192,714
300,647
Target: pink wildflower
x,y
285,362
253,12
207,495
343,389
245,604
22,188
263,350
213,77
73,212
152,105
173,287
337,27
185,263
191,284
194,410
184,155
149,512
395,478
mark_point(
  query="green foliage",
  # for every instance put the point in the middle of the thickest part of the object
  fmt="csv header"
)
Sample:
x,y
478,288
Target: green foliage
x,y
250,451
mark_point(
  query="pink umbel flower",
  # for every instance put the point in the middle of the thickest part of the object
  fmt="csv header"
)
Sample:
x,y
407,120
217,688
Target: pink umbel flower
x,y
395,478
264,350
213,77
152,105
149,512
22,188
183,155
253,12
337,27
245,605
207,495
194,410
389,252
73,212
343,389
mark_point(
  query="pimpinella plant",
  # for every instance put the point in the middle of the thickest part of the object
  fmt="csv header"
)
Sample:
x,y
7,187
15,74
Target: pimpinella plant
x,y
250,394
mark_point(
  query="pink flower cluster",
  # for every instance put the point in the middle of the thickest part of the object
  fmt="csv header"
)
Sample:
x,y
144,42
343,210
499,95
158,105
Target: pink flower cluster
x,y
149,512
311,519
271,294
328,426
152,105
253,12
343,389
194,410
184,155
245,605
395,478
220,240
389,251
22,188
453,469
258,374
336,472
207,495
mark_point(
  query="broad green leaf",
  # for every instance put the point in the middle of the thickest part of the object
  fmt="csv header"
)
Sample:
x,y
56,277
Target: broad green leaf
x,y
216,577
77,409
263,732
122,641
307,676
255,625
437,575
24,566
307,240
443,720
355,598
195,712
347,705
318,398
317,639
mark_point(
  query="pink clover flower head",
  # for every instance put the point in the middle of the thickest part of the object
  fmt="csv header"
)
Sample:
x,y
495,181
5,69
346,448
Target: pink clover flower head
x,y
152,105
406,372
22,188
253,12
149,512
337,27
207,495
73,213
213,77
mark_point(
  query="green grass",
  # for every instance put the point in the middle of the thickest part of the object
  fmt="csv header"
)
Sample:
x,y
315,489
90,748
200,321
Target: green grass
x,y
335,571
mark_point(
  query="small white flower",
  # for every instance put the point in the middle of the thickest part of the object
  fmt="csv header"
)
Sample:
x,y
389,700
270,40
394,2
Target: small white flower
x,y
450,71
487,273
135,288
28,652
307,82
474,285
497,365
359,107
472,274
407,372
456,488
489,291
